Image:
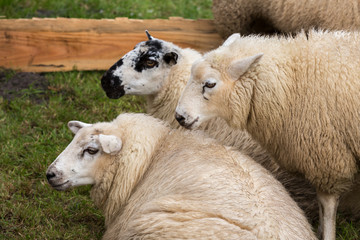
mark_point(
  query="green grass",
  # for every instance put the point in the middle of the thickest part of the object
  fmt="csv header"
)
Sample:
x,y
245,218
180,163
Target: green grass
x,y
106,8
31,137
33,134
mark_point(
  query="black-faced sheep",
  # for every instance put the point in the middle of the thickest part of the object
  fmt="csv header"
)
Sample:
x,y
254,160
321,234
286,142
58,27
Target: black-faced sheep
x,y
284,16
156,183
299,97
165,70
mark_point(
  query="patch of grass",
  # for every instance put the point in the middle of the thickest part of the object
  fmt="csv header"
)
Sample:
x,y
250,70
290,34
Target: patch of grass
x,y
347,230
31,137
106,9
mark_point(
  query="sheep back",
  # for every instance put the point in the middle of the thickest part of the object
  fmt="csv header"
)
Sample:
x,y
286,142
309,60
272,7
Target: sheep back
x,y
193,182
309,116
284,16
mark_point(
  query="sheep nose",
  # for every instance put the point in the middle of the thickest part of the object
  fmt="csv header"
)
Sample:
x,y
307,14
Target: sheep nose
x,y
107,81
180,119
50,175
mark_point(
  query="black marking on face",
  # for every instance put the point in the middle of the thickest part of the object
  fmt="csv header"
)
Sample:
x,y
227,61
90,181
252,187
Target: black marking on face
x,y
153,52
142,62
116,65
111,84
154,45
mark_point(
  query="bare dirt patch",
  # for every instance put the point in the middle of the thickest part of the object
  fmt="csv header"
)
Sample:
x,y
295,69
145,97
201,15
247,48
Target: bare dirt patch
x,y
19,84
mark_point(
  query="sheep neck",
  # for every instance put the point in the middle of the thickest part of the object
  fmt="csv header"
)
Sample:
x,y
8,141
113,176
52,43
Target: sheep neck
x,y
125,171
267,101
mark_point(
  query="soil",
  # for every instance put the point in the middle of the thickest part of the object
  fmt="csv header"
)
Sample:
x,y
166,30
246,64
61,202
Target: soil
x,y
15,85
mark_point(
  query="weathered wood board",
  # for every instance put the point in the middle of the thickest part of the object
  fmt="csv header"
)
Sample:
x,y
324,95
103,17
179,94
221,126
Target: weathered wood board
x,y
63,44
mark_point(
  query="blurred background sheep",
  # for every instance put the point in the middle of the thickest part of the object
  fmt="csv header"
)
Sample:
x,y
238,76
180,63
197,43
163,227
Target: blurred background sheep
x,y
284,16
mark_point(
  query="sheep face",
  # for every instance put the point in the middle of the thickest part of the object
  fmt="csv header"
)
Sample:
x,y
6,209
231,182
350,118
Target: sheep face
x,y
203,92
78,163
209,92
141,71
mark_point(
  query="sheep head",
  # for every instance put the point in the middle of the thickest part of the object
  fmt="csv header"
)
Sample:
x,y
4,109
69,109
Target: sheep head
x,y
212,85
78,163
141,71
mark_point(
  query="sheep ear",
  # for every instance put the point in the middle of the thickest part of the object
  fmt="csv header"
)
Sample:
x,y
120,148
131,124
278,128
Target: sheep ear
x,y
171,58
231,39
239,67
110,144
75,126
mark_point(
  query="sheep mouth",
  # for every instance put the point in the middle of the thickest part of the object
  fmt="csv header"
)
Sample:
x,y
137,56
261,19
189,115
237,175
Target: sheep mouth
x,y
190,125
61,187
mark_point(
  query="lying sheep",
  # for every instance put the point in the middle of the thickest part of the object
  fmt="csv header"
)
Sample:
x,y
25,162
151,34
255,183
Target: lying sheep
x,y
165,71
286,16
171,184
298,97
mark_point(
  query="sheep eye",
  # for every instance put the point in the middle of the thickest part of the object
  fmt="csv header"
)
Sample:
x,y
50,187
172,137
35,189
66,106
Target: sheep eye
x,y
209,85
150,63
91,151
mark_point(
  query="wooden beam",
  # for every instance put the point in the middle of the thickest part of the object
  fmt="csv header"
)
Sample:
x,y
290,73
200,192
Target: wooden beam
x,y
63,44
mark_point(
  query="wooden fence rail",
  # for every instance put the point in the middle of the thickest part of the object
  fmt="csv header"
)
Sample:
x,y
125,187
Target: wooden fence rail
x,y
63,44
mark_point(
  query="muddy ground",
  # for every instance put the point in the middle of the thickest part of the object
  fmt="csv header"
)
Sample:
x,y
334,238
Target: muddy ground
x,y
18,84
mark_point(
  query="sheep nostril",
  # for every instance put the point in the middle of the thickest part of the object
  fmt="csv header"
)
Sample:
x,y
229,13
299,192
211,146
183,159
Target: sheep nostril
x,y
180,118
50,175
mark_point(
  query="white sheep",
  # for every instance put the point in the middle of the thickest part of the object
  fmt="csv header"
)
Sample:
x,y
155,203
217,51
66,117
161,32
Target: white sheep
x,y
165,70
153,182
284,16
299,97
163,85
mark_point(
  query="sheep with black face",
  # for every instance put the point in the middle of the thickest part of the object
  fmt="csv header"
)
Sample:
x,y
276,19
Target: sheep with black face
x,y
153,57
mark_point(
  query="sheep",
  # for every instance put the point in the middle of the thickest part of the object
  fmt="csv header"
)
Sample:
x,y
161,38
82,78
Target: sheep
x,y
170,184
298,97
162,87
284,16
162,83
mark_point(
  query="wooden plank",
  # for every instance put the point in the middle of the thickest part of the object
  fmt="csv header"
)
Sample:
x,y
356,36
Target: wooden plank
x,y
61,44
